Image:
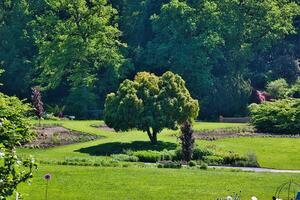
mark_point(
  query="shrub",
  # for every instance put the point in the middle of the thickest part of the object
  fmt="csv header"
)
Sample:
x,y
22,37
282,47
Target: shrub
x,y
124,157
14,129
192,163
233,159
167,155
199,153
203,166
178,154
279,117
294,91
278,88
213,160
169,164
148,156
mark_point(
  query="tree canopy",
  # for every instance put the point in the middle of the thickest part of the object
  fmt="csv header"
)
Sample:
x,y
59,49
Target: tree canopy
x,y
150,103
83,49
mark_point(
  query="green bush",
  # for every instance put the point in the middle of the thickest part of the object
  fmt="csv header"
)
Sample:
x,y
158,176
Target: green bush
x,y
203,166
213,160
124,157
167,155
279,117
192,163
233,159
199,153
148,156
169,164
278,88
294,91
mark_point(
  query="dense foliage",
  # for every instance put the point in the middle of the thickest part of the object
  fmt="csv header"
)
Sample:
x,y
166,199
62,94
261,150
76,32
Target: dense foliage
x,y
150,103
83,49
14,130
15,127
280,117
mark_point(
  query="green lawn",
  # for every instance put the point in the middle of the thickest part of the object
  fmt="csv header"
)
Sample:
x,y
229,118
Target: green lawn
x,y
277,153
69,182
76,182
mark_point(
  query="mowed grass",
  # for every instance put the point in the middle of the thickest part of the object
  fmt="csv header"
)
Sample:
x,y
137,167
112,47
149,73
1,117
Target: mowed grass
x,y
70,182
277,153
83,182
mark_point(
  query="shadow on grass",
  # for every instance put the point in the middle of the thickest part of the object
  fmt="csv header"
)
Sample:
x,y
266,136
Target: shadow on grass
x,y
118,147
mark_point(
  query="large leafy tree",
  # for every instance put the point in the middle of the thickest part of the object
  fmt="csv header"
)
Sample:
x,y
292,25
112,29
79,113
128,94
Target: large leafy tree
x,y
205,41
16,47
78,43
150,103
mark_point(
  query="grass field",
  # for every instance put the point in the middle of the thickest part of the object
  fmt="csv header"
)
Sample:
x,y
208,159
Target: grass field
x,y
69,182
76,182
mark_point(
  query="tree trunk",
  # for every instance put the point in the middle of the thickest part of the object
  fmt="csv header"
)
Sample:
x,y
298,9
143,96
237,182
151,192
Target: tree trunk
x,y
152,136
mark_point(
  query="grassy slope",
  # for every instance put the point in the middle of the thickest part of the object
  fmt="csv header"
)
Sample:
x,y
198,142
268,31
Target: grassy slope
x,y
70,182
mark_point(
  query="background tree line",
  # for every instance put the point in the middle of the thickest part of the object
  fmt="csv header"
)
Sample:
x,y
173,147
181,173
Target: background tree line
x,y
80,50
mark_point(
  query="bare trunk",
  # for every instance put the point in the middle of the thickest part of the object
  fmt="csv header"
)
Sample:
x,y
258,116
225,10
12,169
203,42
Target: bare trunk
x,y
152,136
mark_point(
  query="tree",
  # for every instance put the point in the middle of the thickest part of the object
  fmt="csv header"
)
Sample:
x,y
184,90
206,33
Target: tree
x,y
150,103
187,141
78,43
37,102
211,40
16,47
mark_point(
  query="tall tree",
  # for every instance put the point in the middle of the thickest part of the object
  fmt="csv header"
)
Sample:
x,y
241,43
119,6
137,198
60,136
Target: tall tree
x,y
208,40
78,42
16,47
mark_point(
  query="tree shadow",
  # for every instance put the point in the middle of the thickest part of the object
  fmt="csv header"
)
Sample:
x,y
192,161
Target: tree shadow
x,y
107,149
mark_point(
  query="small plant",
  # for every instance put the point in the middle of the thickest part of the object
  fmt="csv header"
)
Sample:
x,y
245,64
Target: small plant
x,y
47,177
37,103
56,138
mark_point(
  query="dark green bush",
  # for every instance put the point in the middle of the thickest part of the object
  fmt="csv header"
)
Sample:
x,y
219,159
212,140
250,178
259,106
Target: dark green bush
x,y
192,163
148,156
279,117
